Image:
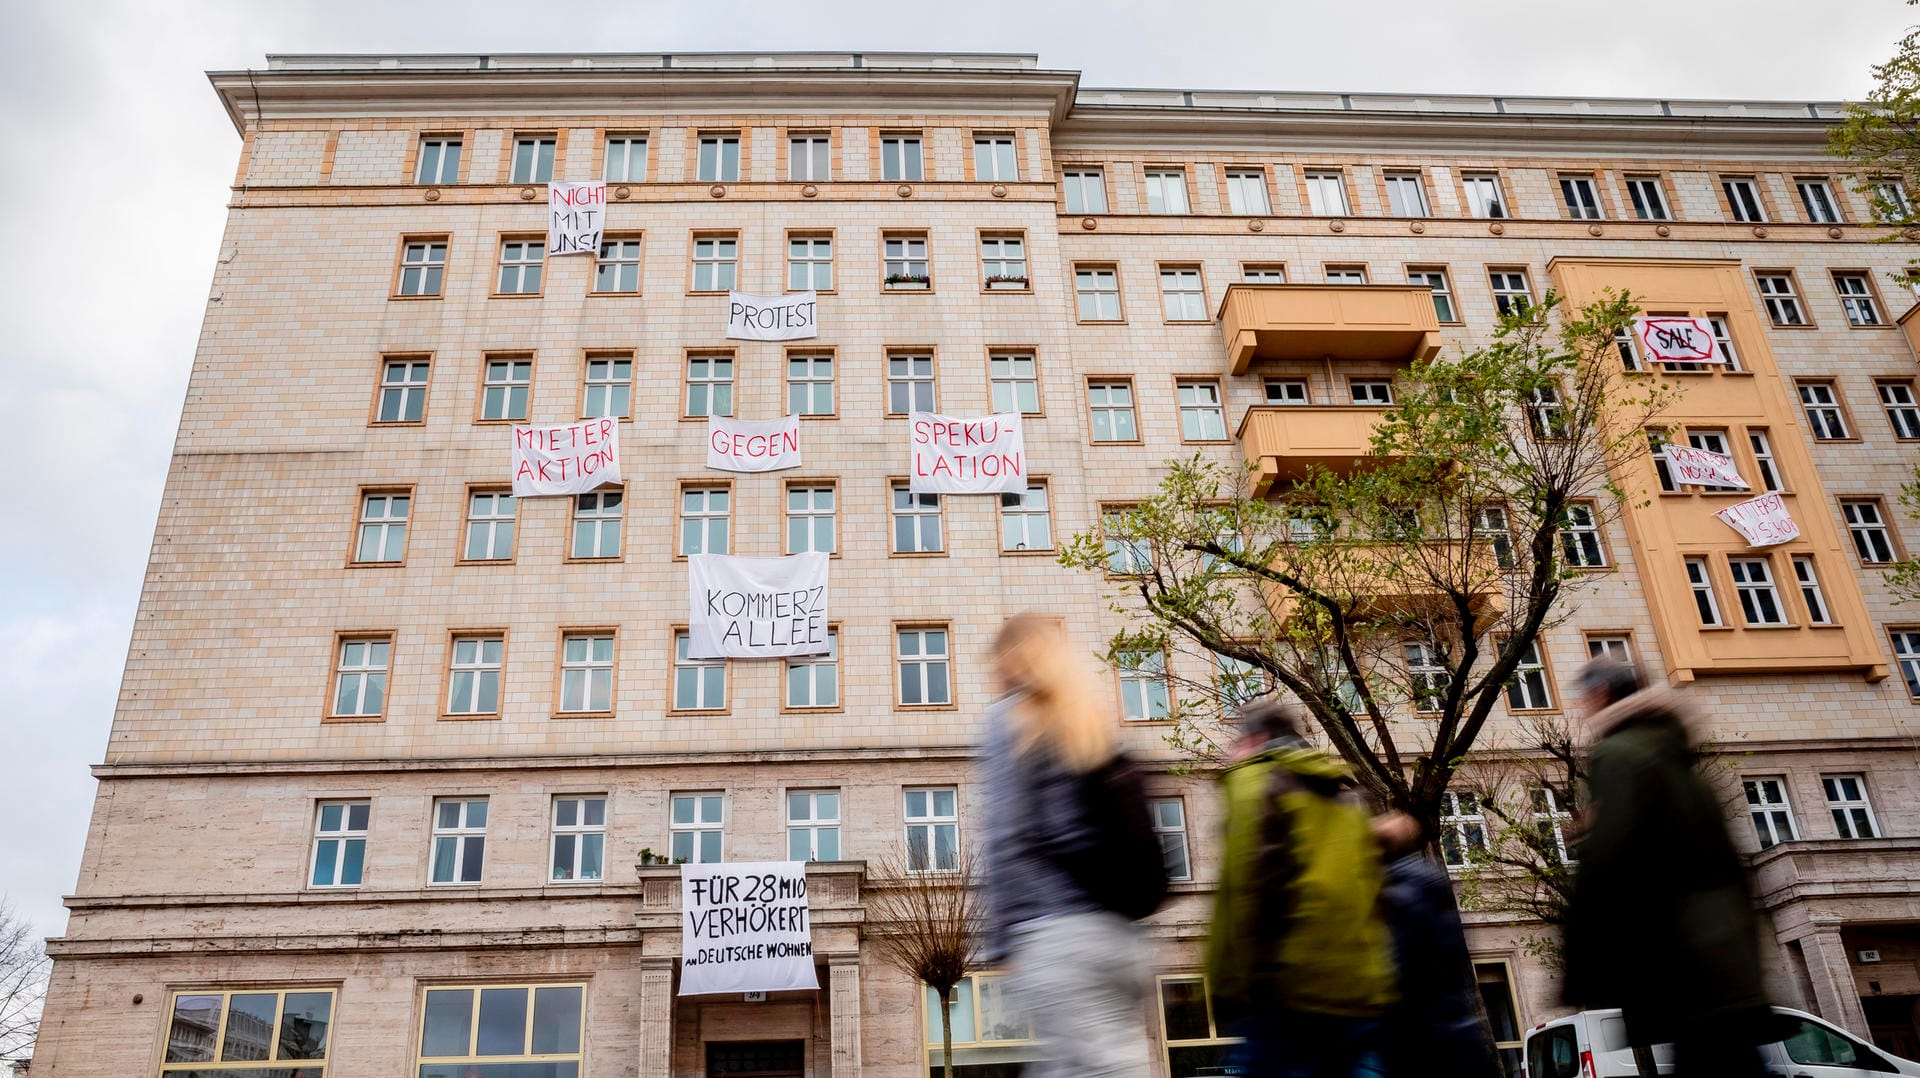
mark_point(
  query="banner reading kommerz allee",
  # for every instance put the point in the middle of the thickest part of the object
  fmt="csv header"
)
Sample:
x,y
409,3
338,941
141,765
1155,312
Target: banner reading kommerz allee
x,y
756,608
571,459
1763,520
792,317
952,455
744,928
576,217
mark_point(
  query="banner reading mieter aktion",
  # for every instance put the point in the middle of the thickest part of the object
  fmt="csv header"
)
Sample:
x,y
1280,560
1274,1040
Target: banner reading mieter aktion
x,y
570,459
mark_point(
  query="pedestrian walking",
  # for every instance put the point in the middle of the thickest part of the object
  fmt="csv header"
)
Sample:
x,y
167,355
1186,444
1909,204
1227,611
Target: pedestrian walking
x,y
1298,955
1661,921
1073,860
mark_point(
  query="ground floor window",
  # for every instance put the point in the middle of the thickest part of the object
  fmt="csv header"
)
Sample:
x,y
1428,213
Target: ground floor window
x,y
990,1036
502,1031
1195,1043
259,1032
1503,1014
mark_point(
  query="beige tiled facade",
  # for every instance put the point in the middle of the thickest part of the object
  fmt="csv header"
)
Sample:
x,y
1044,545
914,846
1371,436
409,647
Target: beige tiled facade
x,y
197,878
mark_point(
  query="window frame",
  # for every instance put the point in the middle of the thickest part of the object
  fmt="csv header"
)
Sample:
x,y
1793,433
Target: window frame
x,y
400,264
910,352
1181,383
1160,828
1469,828
1867,299
1422,206
932,820
897,485
1249,270
675,664
1635,183
995,140
1905,641
1133,408
598,519
720,138
812,262
478,989
1010,353
1313,180
406,389
1705,587
342,835
1155,178
787,515
1476,207
1889,408
1246,174
814,139
460,832
1736,212
707,486
1884,523
901,139
628,138
216,1066
690,356
1813,594
984,236
1074,177
906,236
715,236
1862,804
1443,292
416,158
1576,209
467,520
1217,1035
1150,670
480,397
836,658
336,659
1832,214
454,637
1599,644
528,241
1774,303
638,262
1111,269
1752,787
609,356
814,822
898,659
361,522
1849,432
811,354
1529,303
554,158
579,831
1544,664
1199,278
562,666
1046,488
1740,570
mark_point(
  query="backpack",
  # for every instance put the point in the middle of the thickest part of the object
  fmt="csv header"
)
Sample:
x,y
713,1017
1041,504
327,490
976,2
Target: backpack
x,y
1121,866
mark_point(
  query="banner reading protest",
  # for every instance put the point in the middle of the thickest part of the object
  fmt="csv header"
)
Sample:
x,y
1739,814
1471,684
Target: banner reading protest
x,y
792,317
744,928
1763,520
747,445
966,456
1702,468
572,459
576,216
1677,340
756,608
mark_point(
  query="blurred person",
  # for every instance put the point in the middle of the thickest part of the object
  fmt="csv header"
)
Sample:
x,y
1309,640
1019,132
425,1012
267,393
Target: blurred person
x,y
1073,860
1660,923
1298,955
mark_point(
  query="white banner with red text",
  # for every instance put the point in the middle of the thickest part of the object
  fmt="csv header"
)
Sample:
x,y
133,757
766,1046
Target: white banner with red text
x,y
1702,468
750,445
1763,521
744,928
1677,340
576,217
756,608
953,455
570,459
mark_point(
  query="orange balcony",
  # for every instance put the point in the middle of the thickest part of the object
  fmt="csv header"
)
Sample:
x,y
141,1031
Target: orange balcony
x,y
1371,580
1322,321
1282,442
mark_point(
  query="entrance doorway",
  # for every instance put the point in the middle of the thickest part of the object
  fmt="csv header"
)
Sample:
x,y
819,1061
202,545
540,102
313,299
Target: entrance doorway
x,y
1895,1022
756,1059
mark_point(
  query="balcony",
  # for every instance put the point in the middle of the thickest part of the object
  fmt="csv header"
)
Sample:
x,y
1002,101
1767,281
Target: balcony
x,y
1284,442
1367,579
1328,321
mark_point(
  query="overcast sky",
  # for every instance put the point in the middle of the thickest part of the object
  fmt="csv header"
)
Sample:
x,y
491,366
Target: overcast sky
x,y
115,156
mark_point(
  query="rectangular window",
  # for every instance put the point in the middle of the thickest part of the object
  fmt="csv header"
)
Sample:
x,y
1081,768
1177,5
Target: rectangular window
x,y
1763,461
1346,274
608,390
716,262
1285,391
505,391
1490,526
360,677
1427,675
1166,190
900,158
260,1031
1237,682
810,384
1629,350
698,684
1810,593
1903,414
905,265
1201,417
521,262
1181,294
933,829
1371,392
993,159
423,267
1127,554
809,263
495,1031
339,843
596,524
809,158
1014,383
1906,648
1511,296
1097,290
383,528
704,515
491,515
1890,201
1406,196
1111,405
1656,451
1263,273
810,518
1867,523
909,383
473,676
1847,801
1463,828
1856,297
1824,418
1772,816
1003,260
1247,192
1436,281
439,161
626,159
617,270
1649,201
1483,194
1783,303
709,386
813,681
813,825
459,839
1528,689
532,159
586,672
1086,190
1817,198
1170,826
1723,340
1615,646
1552,819
1026,521
916,521
1495,982
1753,583
579,839
1743,199
1326,194
1700,580
719,160
920,656
1582,202
697,826
1196,1040
1145,694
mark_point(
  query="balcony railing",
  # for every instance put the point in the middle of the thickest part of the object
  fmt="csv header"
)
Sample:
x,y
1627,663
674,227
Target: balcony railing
x,y
1284,442
1328,321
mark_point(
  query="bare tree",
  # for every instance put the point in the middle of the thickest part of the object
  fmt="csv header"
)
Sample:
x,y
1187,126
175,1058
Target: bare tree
x,y
1528,798
23,984
928,925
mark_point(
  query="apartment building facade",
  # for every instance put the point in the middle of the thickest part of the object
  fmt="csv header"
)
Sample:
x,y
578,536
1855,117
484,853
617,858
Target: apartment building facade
x,y
401,764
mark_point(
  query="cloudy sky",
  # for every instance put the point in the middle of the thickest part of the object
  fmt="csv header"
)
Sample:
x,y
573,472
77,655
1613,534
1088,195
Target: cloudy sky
x,y
114,160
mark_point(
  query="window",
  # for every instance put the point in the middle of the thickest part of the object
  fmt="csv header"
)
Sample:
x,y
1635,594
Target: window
x,y
339,843
1824,417
1704,599
532,159
809,263
1890,201
813,681
809,157
586,672
1903,414
719,159
459,839
618,268
1126,553
596,524
1406,197
900,158
716,263
1656,450
1463,828
609,387
922,660
626,159
1247,192
1166,190
1097,291
810,384
1483,194
473,677
1772,816
1112,406
1427,675
1847,800
1373,392
506,387
360,676
1326,194
1285,391
1867,523
982,1014
1763,460
1491,527
1856,297
709,386
1743,198
1086,190
1528,689
1615,646
1201,418
520,264
1145,694
1258,273
909,383
1818,200
1629,350
1237,682
1026,522
1196,1042
1495,982
1013,383
1810,593
1753,583
1181,294
933,829
1713,441
1783,303
993,160
1003,261
490,525
704,513
1906,648
698,684
209,1030
423,264
1649,201
813,825
439,161
1723,340
810,527
1511,297
383,528
916,521
1582,203
579,839
1436,279
697,823
1170,826
905,258
497,1031
1552,818
1346,275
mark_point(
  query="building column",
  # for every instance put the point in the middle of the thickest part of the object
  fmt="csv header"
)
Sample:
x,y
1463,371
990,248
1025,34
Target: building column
x,y
843,986
1834,989
656,1016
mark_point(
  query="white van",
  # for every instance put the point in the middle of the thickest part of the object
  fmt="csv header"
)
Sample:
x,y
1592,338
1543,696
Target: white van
x,y
1593,1044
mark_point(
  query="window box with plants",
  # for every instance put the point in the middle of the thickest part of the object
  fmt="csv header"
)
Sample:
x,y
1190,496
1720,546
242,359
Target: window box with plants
x,y
908,282
1004,283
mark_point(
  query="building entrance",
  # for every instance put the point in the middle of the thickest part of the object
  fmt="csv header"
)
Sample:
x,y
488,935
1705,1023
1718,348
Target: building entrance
x,y
756,1059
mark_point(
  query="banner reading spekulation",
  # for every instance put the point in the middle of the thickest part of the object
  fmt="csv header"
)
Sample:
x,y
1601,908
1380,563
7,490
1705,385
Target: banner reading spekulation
x,y
756,608
792,317
744,928
576,217
570,459
951,455
747,445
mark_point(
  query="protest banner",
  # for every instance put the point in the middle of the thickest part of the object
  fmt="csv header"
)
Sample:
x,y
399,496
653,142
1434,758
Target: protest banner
x,y
1763,520
744,928
1677,340
792,317
570,459
966,456
1702,468
576,216
756,608
746,445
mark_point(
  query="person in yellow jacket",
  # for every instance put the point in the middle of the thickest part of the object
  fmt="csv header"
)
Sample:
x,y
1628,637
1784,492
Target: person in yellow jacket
x,y
1299,955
